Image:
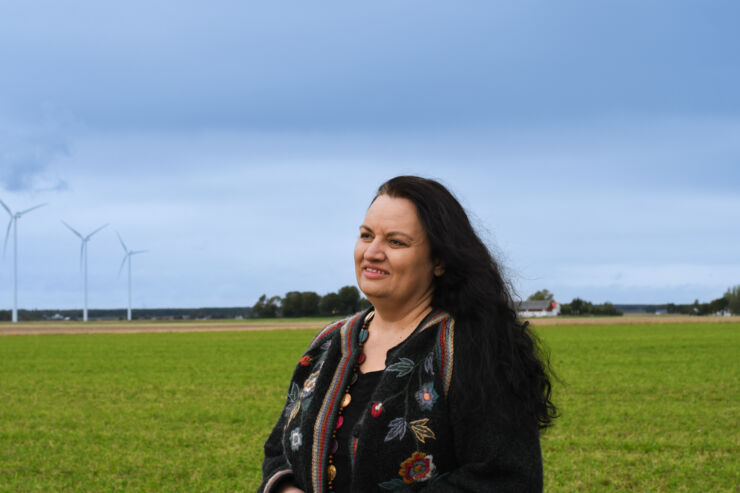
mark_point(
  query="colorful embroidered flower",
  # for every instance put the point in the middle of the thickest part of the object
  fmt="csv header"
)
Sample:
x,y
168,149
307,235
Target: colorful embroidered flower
x,y
305,361
418,467
376,409
427,396
309,385
296,439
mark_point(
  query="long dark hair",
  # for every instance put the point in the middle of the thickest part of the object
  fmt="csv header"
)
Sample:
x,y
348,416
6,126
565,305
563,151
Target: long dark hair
x,y
473,290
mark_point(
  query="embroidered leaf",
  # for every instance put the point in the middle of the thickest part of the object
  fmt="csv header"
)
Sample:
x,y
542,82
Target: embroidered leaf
x,y
325,346
393,484
295,391
305,403
421,430
429,364
396,429
403,367
293,411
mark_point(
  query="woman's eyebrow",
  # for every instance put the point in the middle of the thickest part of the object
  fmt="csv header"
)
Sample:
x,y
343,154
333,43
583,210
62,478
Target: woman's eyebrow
x,y
398,233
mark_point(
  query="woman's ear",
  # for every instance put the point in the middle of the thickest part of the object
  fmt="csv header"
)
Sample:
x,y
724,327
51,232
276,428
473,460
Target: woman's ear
x,y
439,268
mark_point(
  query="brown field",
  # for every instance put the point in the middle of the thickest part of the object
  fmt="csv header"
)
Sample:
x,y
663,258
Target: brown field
x,y
122,327
94,327
631,319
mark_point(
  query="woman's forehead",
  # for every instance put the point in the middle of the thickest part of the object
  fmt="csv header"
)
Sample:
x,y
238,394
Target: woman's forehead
x,y
393,213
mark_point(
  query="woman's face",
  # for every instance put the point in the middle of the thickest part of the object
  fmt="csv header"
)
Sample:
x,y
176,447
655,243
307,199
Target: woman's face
x,y
392,258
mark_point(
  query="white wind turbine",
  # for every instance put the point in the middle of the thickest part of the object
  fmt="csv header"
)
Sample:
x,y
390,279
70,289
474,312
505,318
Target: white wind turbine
x,y
126,257
83,260
14,224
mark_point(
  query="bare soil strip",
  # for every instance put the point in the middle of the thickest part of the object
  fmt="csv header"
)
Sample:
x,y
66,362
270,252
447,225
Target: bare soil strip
x,y
41,328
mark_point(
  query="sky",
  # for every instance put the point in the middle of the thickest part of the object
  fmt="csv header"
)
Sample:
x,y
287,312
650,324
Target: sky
x,y
595,145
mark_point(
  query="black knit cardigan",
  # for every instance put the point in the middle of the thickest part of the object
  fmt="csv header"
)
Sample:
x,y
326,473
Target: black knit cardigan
x,y
415,435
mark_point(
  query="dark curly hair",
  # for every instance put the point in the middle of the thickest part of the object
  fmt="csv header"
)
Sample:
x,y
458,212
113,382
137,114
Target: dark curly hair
x,y
473,290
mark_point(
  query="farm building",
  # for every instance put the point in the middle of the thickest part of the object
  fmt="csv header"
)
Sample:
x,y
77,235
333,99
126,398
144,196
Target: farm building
x,y
538,308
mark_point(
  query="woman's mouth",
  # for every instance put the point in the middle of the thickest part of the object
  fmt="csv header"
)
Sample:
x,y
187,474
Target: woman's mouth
x,y
374,272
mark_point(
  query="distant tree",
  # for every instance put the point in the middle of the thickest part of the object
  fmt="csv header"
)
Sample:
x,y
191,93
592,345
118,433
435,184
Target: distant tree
x,y
330,304
581,307
733,299
349,299
541,295
290,305
266,308
365,303
310,303
718,305
577,306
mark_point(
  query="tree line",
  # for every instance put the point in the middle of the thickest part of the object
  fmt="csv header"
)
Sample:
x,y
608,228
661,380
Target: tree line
x,y
730,301
345,301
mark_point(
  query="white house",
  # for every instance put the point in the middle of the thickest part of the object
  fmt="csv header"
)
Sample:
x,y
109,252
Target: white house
x,y
538,308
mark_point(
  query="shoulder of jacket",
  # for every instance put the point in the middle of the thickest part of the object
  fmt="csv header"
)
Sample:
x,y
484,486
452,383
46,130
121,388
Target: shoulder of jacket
x,y
325,334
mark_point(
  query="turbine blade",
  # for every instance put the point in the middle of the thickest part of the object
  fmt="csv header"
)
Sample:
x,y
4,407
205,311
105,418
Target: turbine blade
x,y
7,234
6,208
101,227
74,231
137,251
32,208
123,262
122,243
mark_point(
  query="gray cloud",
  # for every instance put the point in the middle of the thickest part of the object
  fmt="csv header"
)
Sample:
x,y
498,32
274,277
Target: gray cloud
x,y
27,157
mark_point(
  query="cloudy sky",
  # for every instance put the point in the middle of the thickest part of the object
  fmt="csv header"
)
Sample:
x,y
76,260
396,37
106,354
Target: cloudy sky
x,y
597,146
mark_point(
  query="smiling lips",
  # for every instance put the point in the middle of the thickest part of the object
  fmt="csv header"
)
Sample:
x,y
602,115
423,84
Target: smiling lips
x,y
372,272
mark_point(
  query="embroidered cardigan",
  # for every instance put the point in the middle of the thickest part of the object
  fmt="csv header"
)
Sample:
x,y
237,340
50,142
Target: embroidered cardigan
x,y
414,436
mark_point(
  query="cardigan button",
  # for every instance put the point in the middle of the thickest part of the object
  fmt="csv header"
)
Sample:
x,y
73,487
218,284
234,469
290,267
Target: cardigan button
x,y
334,446
361,359
340,422
346,400
332,472
363,335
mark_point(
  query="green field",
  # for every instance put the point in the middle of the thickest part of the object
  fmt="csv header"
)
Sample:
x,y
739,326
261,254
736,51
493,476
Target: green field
x,y
644,408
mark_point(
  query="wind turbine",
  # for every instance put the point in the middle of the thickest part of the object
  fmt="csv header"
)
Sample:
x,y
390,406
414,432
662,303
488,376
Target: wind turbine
x,y
83,255
14,224
127,256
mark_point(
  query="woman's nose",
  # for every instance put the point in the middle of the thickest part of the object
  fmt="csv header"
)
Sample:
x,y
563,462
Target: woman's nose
x,y
374,251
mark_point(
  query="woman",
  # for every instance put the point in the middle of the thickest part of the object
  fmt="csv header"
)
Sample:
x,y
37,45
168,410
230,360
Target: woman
x,y
437,388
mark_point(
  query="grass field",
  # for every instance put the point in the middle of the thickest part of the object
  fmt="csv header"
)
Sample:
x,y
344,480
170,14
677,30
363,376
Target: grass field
x,y
645,407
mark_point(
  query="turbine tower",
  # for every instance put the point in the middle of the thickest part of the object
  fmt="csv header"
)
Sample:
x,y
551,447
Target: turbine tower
x,y
14,224
83,260
127,256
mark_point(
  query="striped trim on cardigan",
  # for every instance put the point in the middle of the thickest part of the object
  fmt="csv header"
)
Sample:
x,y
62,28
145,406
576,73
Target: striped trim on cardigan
x,y
324,425
275,478
326,331
446,349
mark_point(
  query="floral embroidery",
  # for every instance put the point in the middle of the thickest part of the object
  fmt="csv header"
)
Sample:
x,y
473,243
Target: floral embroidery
x,y
310,384
418,467
402,367
397,429
376,409
427,396
305,361
429,363
296,439
421,430
293,412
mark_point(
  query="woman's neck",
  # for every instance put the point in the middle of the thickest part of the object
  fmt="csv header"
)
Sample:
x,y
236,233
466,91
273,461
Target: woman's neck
x,y
400,321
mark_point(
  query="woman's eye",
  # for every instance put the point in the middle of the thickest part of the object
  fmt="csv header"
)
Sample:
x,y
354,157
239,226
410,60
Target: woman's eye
x,y
397,243
365,236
